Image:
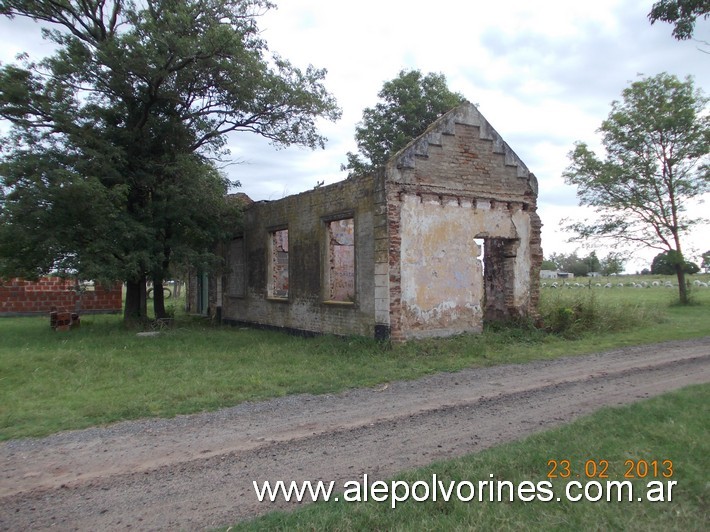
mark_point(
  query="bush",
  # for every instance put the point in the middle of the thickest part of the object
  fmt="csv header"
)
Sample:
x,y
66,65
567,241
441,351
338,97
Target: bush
x,y
572,315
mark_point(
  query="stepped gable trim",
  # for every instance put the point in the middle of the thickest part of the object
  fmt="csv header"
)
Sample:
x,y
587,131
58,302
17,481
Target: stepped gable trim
x,y
466,114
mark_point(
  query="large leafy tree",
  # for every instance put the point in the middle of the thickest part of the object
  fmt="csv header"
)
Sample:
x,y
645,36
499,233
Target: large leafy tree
x,y
681,13
409,104
706,261
573,263
657,141
613,263
665,264
109,168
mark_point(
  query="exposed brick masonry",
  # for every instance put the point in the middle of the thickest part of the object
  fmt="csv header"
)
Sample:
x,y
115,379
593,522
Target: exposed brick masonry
x,y
415,260
21,297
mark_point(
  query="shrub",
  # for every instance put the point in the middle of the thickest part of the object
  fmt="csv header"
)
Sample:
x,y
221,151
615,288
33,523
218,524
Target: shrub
x,y
571,315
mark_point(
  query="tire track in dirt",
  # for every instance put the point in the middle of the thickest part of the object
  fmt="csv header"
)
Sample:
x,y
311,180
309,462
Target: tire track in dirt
x,y
196,471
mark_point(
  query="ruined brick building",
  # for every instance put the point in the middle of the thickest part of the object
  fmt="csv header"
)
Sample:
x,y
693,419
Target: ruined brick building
x,y
445,237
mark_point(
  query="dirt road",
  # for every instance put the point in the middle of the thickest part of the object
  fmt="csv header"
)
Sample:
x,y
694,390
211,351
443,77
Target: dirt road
x,y
196,471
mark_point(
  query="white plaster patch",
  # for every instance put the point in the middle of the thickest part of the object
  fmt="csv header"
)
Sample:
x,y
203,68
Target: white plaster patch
x,y
442,277
521,289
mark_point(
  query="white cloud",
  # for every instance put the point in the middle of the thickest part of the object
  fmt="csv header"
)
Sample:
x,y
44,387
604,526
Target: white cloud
x,y
543,73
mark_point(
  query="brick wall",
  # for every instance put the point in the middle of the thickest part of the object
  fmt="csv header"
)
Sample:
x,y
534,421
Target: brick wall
x,y
21,297
462,182
416,268
308,306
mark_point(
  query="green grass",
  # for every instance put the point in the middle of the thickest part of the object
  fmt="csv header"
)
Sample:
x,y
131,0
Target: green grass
x,y
642,315
670,427
101,372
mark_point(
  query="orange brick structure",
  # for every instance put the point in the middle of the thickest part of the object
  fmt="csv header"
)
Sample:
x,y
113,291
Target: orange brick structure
x,y
19,297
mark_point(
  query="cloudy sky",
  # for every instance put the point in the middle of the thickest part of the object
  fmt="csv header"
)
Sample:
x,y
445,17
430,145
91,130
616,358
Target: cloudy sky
x,y
543,74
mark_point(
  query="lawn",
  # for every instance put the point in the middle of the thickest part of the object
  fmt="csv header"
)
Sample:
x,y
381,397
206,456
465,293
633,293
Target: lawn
x,y
671,430
102,372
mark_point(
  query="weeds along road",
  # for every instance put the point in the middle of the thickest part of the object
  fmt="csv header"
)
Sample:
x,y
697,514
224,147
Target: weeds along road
x,y
196,471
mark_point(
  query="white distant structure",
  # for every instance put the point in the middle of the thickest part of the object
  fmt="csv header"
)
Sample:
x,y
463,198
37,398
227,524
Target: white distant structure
x,y
555,274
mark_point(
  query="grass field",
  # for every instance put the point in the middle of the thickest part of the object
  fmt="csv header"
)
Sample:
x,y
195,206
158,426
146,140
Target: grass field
x,y
102,372
669,427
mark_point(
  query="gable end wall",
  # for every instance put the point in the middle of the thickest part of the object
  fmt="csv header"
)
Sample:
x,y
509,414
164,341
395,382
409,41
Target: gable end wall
x,y
457,182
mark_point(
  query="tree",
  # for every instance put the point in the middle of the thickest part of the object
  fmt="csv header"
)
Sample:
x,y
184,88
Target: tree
x,y
557,259
547,264
681,13
581,266
706,261
592,262
573,263
410,103
691,268
613,263
109,170
665,264
563,262
656,141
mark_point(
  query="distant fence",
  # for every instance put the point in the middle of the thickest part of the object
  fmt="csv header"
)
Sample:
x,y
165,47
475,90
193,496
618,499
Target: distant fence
x,y
19,297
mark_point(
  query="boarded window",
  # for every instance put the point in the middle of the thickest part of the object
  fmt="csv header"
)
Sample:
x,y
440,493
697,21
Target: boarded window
x,y
340,265
237,273
278,271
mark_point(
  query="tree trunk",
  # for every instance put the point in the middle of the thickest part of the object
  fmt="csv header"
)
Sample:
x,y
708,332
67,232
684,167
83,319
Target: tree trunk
x,y
682,289
158,278
136,309
680,268
158,299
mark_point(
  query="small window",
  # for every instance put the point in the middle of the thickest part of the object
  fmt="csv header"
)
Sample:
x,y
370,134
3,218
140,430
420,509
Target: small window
x,y
236,281
278,270
340,264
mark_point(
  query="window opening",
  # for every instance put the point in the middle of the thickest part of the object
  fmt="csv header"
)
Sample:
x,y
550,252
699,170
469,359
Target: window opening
x,y
480,242
278,283
340,266
499,278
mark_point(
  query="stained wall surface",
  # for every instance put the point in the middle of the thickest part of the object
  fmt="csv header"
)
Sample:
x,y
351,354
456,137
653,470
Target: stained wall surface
x,y
457,183
442,239
321,277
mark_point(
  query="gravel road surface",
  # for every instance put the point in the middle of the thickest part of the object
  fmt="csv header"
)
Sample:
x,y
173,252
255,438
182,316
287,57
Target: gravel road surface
x,y
196,471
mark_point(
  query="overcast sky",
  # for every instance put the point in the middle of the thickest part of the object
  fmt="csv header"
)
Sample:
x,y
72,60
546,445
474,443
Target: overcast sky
x,y
543,73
